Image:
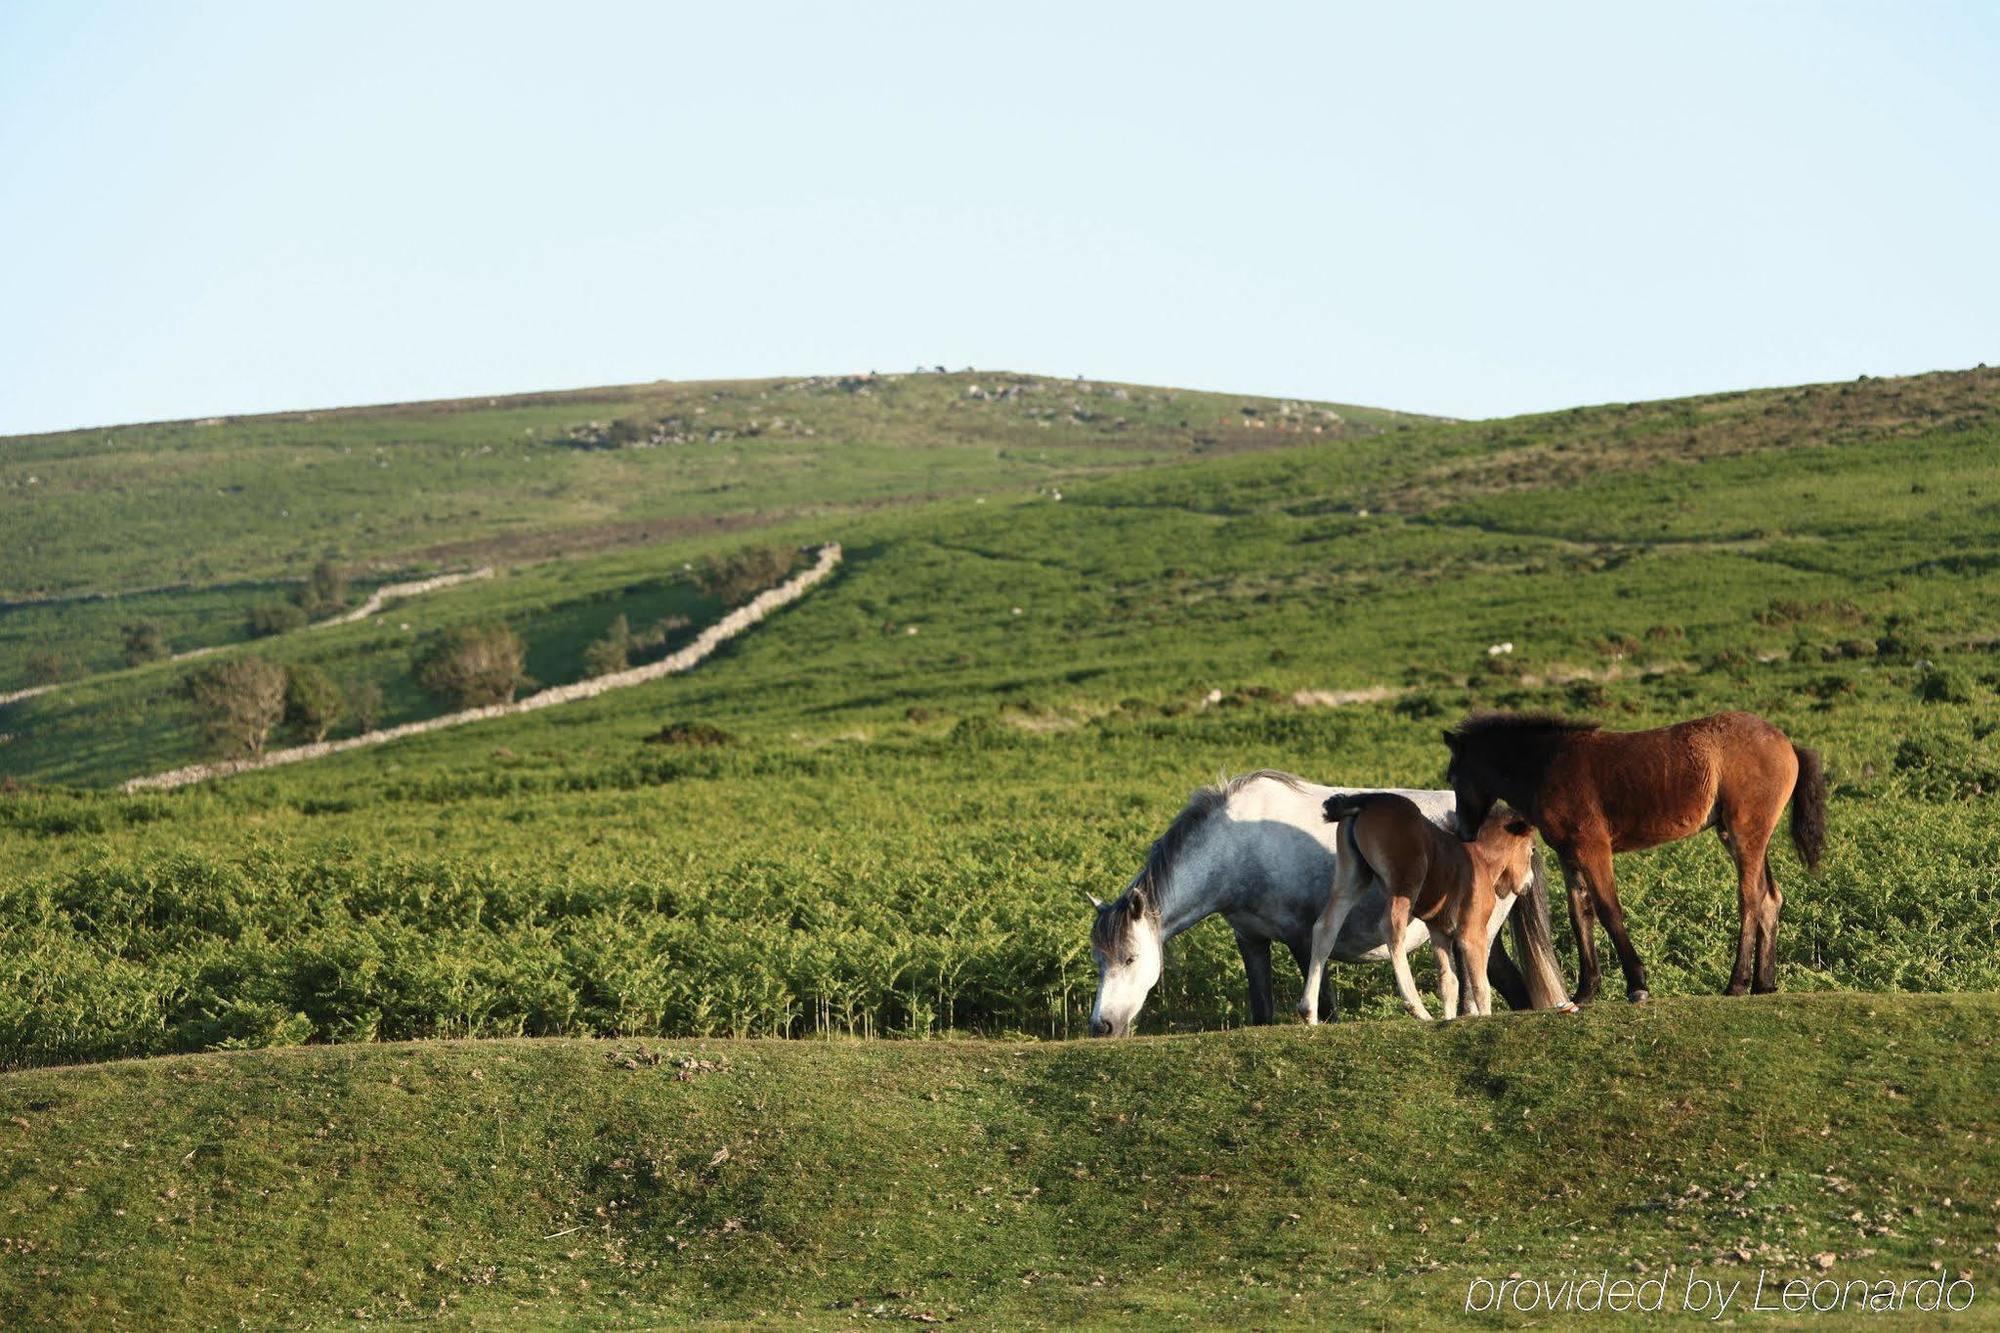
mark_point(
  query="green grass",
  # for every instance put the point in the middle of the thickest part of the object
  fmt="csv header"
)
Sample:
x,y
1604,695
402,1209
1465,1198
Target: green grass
x,y
107,728
1000,699
895,841
1361,1175
199,503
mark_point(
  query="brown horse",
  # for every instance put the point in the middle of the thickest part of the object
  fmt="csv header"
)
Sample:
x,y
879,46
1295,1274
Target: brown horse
x,y
1452,887
1594,792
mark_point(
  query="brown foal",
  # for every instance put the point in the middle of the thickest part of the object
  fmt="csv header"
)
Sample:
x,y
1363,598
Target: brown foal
x,y
1592,793
1450,886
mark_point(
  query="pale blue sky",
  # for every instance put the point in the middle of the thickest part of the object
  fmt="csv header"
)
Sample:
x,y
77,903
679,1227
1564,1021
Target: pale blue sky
x,y
1473,209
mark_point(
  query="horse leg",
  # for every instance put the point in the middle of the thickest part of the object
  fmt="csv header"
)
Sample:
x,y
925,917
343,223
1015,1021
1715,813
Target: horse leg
x,y
1325,931
1447,973
1767,937
1329,994
1350,877
1257,966
1399,962
1749,896
1583,922
1596,865
1747,846
1473,935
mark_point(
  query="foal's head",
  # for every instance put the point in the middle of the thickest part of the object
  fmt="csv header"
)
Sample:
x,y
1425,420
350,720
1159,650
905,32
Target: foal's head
x,y
1505,849
1128,946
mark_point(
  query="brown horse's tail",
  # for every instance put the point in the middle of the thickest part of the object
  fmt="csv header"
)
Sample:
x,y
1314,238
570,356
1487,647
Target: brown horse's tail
x,y
1529,923
1809,808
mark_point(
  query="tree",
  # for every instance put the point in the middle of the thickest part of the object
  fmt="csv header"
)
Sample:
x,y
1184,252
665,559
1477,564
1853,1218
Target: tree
x,y
144,642
364,704
473,666
237,703
611,653
741,575
264,621
313,702
325,589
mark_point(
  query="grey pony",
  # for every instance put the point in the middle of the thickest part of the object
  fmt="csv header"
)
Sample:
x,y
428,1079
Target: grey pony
x,y
1256,850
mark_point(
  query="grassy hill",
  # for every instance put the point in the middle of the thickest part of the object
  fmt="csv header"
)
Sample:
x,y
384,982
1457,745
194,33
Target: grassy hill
x,y
1000,699
995,705
1362,1175
170,521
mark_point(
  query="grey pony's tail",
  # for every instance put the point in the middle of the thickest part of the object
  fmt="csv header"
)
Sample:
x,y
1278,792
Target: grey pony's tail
x,y
1529,922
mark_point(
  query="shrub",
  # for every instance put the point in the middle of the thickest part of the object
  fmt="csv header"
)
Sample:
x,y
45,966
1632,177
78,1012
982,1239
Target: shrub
x,y
325,589
1901,641
313,702
237,703
1419,705
663,630
1587,696
45,667
611,653
1942,766
277,618
1944,685
144,642
982,732
699,734
473,666
364,704
741,575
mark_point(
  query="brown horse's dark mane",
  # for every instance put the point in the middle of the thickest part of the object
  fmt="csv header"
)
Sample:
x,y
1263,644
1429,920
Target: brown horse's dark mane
x,y
1517,747
1520,724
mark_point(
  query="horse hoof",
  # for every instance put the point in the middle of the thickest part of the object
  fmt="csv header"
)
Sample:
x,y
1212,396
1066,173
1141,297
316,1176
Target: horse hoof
x,y
1568,1007
1639,996
1735,988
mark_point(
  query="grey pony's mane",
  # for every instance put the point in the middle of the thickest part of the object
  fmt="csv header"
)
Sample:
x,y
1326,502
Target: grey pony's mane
x,y
1141,897
1203,803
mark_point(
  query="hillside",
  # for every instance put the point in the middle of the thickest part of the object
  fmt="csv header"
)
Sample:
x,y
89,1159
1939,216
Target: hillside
x,y
204,503
194,527
1363,1175
871,816
994,705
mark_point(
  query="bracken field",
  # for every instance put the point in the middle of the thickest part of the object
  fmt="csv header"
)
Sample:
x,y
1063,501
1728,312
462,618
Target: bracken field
x,y
1063,605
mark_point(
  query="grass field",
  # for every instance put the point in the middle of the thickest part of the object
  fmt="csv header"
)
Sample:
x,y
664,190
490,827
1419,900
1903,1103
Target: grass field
x,y
895,839
999,700
1362,1175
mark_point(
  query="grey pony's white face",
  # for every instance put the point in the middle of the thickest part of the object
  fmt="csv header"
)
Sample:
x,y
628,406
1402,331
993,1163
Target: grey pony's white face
x,y
1126,943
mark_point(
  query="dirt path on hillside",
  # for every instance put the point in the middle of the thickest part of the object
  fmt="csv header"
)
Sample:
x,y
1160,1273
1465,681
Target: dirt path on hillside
x,y
704,644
